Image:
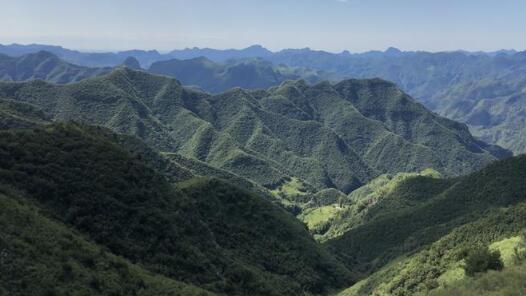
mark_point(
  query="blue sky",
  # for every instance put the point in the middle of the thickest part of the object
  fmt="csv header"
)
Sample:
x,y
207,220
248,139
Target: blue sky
x,y
333,25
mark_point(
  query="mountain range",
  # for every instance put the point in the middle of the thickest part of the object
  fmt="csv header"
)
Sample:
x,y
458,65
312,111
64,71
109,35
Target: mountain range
x,y
129,183
449,83
199,73
327,136
45,66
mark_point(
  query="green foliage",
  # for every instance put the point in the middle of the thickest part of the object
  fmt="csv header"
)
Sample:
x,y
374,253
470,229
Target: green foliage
x,y
510,281
206,233
323,135
481,259
382,196
412,250
20,115
40,256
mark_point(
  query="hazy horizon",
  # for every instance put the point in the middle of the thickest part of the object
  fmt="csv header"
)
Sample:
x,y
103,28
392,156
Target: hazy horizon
x,y
329,25
95,50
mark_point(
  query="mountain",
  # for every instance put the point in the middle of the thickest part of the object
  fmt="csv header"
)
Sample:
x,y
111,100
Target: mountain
x,y
87,59
46,66
218,55
214,77
449,83
109,221
199,73
145,57
42,256
444,81
495,109
325,136
415,238
132,63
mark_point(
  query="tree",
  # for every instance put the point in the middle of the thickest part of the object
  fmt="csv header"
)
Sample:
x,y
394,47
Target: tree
x,y
482,259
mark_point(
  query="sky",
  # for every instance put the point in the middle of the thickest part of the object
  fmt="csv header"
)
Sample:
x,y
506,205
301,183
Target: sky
x,y
331,25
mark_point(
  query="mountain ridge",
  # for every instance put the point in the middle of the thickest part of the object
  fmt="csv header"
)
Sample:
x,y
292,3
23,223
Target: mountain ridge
x,y
263,128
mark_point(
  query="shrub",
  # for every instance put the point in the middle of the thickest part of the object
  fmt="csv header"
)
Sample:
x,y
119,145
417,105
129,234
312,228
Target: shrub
x,y
481,259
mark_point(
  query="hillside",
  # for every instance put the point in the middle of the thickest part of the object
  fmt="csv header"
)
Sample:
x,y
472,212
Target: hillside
x,y
495,109
413,239
484,90
20,115
41,256
327,136
45,66
79,184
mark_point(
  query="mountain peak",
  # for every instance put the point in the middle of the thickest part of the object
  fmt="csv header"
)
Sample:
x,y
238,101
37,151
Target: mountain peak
x,y
393,51
132,63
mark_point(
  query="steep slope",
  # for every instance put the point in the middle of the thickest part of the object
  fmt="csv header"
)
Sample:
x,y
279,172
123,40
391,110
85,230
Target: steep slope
x,y
205,232
41,256
325,135
415,236
46,66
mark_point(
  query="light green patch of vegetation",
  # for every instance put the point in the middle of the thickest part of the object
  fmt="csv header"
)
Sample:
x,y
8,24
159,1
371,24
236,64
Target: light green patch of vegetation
x,y
510,281
290,189
367,202
452,275
317,216
510,249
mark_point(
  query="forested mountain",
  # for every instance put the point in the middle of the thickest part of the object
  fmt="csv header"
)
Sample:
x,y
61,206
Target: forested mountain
x,y
415,238
160,189
327,136
46,66
449,83
81,213
483,90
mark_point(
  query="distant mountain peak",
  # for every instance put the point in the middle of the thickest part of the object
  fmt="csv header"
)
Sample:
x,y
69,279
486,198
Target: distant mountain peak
x,y
132,63
393,51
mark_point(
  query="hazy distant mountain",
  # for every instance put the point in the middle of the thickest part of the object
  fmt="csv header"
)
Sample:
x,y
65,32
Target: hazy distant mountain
x,y
495,109
219,55
200,73
132,63
88,59
249,73
46,66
